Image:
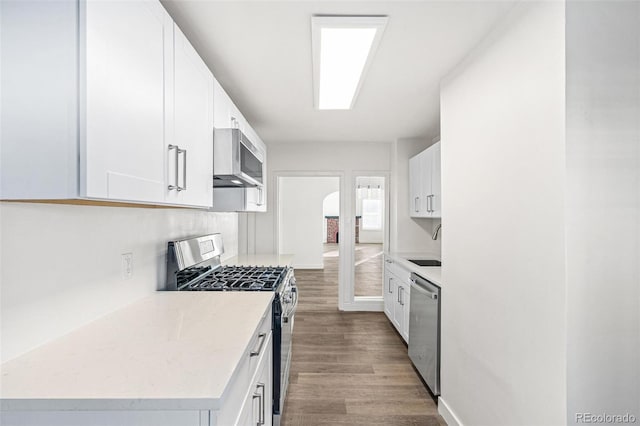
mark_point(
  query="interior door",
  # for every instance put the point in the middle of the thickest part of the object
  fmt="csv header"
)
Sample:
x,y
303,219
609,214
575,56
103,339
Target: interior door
x,y
124,93
192,174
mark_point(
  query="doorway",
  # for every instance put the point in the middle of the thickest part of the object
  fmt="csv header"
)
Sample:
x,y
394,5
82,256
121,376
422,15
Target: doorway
x,y
309,220
369,236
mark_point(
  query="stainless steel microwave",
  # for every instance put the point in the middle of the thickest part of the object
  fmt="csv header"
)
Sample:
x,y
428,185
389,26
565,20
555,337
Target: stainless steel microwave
x,y
237,162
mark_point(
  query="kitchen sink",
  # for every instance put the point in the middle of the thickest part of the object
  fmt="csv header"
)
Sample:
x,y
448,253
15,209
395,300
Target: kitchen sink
x,y
426,262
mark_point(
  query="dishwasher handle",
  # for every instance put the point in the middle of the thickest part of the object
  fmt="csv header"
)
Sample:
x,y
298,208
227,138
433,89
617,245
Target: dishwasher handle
x,y
425,287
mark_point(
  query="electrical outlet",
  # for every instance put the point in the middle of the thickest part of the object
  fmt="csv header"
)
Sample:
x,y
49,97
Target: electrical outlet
x,y
127,266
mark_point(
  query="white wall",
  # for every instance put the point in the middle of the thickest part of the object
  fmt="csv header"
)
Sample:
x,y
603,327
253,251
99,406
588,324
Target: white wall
x,y
343,158
503,164
330,207
301,218
409,235
603,208
61,264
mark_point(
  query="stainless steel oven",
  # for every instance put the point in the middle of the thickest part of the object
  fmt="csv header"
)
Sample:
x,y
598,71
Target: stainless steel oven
x,y
283,328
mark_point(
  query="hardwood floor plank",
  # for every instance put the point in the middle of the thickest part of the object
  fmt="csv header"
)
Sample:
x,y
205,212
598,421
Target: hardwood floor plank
x,y
350,368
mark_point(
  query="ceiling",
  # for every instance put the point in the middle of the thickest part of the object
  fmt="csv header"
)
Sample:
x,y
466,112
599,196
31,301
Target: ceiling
x,y
260,51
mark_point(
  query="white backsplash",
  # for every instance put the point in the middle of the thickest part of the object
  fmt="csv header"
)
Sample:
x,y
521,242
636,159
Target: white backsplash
x,y
61,265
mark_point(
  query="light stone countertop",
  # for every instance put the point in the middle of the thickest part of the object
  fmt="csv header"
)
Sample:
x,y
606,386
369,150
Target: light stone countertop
x,y
171,350
264,259
431,273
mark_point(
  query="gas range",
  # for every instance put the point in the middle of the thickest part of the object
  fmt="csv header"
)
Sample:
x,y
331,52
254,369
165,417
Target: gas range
x,y
232,278
194,264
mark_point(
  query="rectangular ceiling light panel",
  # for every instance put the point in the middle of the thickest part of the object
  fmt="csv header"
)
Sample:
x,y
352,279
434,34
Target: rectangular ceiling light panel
x,y
343,47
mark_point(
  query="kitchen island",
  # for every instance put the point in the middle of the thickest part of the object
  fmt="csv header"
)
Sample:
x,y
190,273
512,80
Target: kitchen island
x,y
171,358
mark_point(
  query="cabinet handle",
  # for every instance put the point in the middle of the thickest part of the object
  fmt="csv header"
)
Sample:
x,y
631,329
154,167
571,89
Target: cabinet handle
x,y
258,396
415,204
261,414
389,286
429,203
172,187
259,196
399,288
184,170
261,337
402,296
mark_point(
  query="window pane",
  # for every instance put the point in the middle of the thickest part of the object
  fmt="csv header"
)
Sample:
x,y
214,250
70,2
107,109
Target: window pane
x,y
372,214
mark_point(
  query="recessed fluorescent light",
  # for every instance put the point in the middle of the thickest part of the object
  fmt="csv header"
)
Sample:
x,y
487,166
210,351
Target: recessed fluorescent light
x,y
343,47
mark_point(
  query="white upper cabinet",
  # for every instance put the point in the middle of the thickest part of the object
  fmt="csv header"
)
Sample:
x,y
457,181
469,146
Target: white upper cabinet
x,y
128,95
425,183
223,109
190,150
417,202
125,48
436,182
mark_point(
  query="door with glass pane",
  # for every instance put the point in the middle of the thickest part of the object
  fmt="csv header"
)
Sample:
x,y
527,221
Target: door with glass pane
x,y
370,222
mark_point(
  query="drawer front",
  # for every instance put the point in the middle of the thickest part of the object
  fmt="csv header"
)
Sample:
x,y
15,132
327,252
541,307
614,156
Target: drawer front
x,y
256,408
395,268
234,397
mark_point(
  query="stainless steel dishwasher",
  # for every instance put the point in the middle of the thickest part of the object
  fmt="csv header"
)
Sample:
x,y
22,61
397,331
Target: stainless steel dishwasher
x,y
424,330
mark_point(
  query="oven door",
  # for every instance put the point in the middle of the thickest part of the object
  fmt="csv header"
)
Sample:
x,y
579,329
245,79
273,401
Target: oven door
x,y
288,317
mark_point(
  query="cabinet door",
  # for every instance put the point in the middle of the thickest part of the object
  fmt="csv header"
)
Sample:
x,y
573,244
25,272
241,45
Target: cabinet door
x,y
398,311
406,303
426,165
389,301
222,107
415,186
124,86
190,160
436,182
257,407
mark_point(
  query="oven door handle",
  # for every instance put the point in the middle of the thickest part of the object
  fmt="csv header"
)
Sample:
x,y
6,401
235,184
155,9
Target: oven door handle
x,y
289,314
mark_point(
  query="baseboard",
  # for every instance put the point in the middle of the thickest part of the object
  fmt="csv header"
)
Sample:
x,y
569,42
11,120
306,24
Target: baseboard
x,y
309,266
447,413
364,306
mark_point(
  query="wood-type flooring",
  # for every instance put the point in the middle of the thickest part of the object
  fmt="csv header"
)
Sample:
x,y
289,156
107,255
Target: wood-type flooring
x,y
349,368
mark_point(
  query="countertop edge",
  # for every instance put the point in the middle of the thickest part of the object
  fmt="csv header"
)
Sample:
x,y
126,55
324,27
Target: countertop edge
x,y
107,404
430,273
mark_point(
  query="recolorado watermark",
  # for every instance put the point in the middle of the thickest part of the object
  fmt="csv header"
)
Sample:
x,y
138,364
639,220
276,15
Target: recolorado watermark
x,y
605,418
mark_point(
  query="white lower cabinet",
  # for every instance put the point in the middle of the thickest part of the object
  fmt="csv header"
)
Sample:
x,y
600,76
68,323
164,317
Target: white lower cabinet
x,y
249,398
257,406
397,294
246,401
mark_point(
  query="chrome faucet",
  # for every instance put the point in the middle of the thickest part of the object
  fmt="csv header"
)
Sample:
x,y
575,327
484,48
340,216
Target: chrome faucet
x,y
436,232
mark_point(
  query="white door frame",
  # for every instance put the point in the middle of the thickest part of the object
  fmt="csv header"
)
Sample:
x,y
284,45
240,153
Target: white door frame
x,y
343,224
351,301
346,271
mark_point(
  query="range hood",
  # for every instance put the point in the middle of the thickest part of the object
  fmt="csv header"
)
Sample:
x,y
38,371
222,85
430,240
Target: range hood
x,y
237,162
